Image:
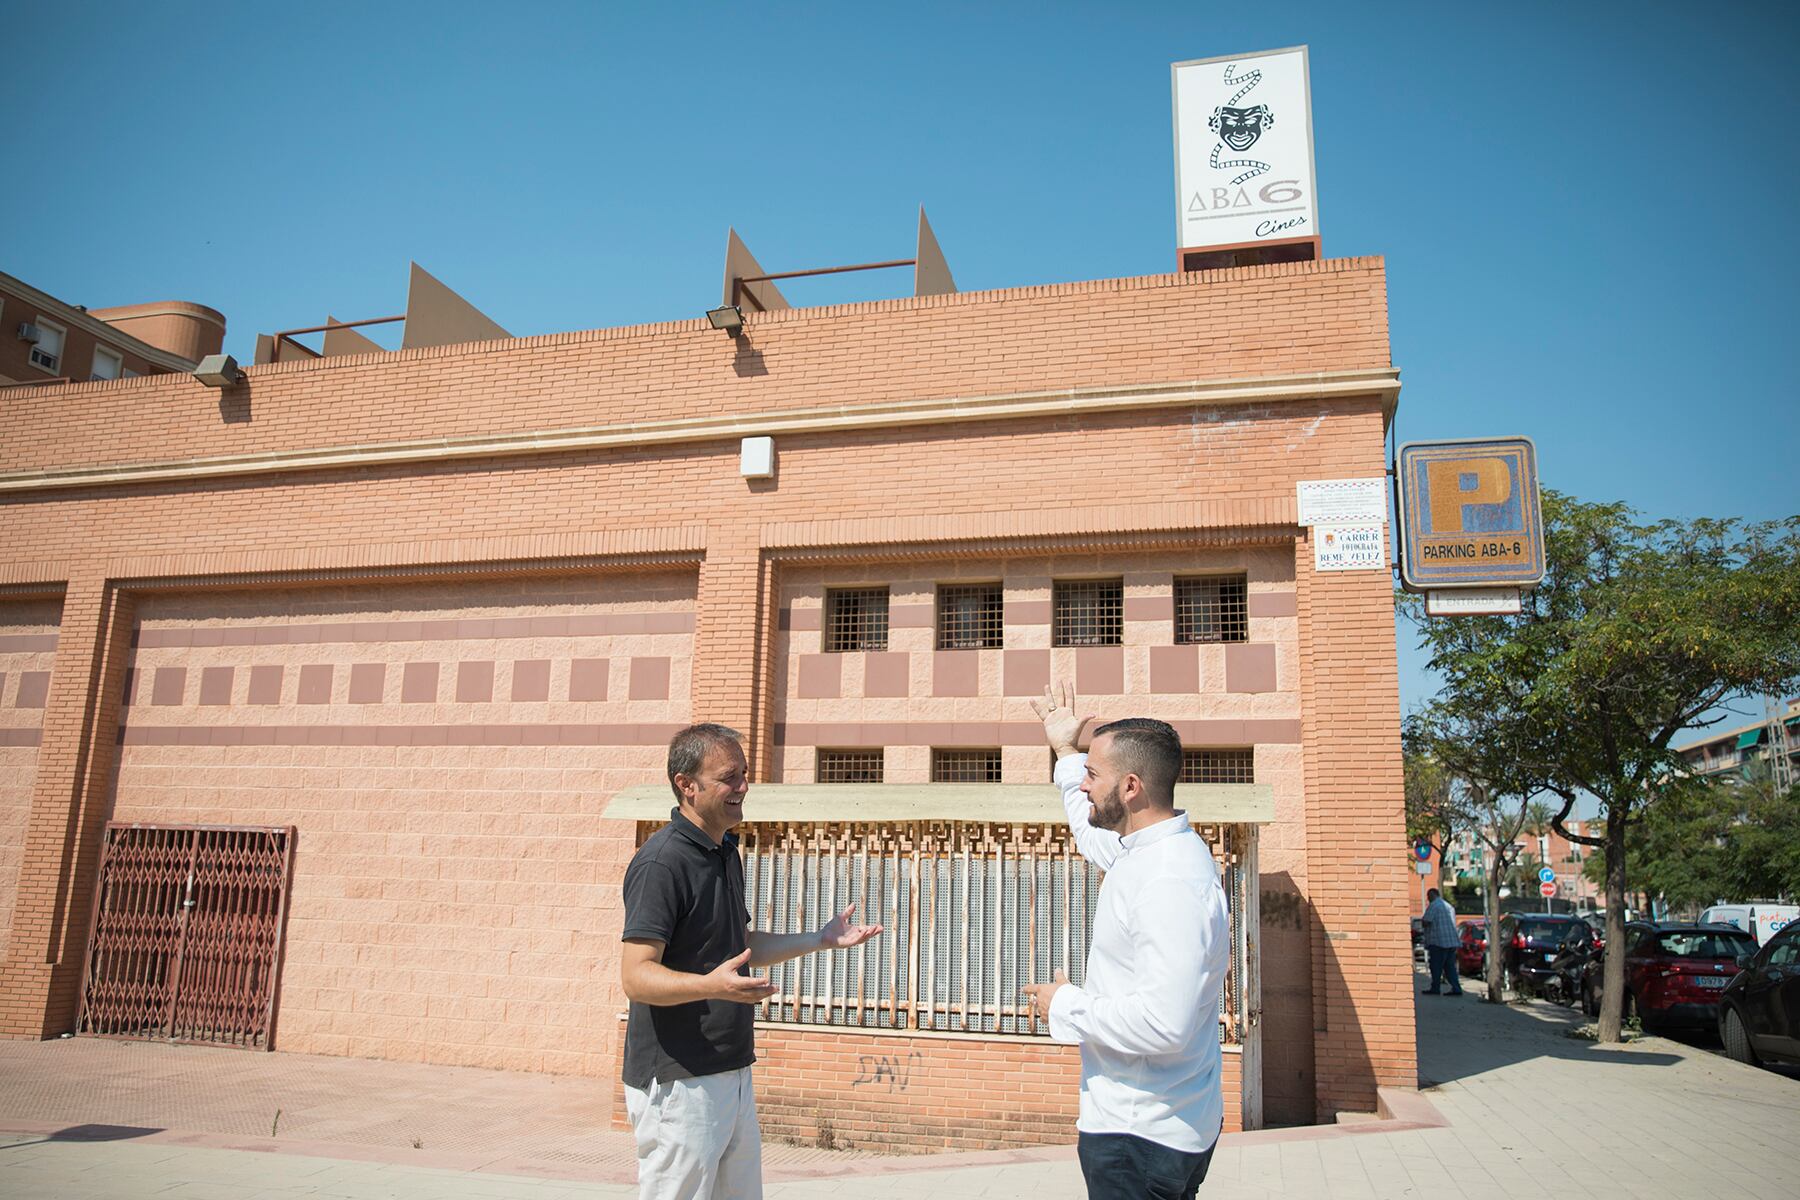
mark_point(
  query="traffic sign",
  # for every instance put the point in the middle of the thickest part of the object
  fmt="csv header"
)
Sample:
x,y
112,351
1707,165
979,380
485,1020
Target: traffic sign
x,y
1546,875
1422,851
1422,867
1546,889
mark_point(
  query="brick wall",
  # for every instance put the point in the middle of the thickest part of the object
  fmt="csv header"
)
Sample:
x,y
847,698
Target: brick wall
x,y
1145,490
27,650
445,752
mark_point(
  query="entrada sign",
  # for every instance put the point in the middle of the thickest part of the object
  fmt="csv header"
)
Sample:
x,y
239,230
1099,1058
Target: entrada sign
x,y
1469,514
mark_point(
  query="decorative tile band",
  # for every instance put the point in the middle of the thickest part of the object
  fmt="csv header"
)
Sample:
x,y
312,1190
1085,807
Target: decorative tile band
x,y
395,735
447,630
1247,732
26,643
471,682
15,738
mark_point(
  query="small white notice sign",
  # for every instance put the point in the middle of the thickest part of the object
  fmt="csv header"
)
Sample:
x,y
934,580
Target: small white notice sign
x,y
1324,501
1349,548
1473,602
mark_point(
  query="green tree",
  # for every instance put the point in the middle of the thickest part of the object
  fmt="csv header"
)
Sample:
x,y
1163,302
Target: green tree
x,y
1636,632
1463,765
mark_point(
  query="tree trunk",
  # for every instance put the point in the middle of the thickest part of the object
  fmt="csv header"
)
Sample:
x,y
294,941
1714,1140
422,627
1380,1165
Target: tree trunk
x,y
1612,1000
1491,908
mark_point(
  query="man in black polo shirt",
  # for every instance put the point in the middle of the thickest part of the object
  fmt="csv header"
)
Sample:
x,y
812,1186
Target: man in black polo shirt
x,y
688,947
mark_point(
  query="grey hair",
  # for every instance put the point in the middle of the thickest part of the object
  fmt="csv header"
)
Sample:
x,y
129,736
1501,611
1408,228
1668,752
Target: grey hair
x,y
689,748
1149,749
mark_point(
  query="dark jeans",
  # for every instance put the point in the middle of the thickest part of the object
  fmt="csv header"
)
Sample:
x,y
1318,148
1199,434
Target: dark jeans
x,y
1120,1166
1443,965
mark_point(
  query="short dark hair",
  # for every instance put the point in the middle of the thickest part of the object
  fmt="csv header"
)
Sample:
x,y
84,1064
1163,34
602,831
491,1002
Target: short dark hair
x,y
689,748
1149,749
1431,893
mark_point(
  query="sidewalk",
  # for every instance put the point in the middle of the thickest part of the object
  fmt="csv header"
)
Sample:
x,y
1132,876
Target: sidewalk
x,y
1527,1112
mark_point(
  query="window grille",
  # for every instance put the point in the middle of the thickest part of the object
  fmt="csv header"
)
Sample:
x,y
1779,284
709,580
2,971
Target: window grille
x,y
1089,612
971,912
1218,766
1211,608
849,766
969,617
965,766
856,619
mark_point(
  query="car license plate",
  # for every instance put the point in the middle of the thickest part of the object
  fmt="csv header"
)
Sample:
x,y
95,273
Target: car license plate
x,y
1549,956
1712,981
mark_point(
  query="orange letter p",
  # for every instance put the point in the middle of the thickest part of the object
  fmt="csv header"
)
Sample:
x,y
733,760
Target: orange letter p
x,y
1445,484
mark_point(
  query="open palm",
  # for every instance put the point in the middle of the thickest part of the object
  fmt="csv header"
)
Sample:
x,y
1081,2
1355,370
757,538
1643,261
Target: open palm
x,y
840,933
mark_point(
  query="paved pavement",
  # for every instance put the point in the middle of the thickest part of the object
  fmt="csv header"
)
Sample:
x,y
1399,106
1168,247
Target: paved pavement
x,y
1511,1108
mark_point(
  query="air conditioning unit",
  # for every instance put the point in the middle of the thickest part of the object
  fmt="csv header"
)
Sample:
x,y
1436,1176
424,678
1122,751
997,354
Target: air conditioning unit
x,y
30,333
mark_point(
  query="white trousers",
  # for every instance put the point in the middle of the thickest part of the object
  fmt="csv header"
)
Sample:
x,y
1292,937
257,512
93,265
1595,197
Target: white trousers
x,y
697,1139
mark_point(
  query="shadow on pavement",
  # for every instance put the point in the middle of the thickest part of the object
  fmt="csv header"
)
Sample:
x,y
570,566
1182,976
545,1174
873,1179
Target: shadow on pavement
x,y
88,1133
1466,1036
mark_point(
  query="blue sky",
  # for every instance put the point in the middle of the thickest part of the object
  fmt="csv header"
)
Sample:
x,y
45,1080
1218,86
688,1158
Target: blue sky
x,y
1586,209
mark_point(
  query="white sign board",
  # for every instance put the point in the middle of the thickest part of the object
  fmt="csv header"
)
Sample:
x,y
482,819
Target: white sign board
x,y
1474,602
1323,501
1244,150
1349,548
1423,868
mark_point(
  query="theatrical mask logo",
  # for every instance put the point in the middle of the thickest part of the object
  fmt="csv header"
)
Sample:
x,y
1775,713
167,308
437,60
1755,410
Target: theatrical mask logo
x,y
1239,128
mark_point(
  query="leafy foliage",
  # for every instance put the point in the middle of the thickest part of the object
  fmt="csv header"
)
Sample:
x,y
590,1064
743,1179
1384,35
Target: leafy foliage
x,y
1635,633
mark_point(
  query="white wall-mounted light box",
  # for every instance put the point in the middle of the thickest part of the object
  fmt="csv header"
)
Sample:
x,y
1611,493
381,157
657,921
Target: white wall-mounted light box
x,y
756,458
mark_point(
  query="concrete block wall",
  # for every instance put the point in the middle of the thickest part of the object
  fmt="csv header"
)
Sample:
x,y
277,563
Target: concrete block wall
x,y
1121,484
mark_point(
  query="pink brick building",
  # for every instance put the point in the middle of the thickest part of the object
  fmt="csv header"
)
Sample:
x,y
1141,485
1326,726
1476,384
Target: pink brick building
x,y
438,610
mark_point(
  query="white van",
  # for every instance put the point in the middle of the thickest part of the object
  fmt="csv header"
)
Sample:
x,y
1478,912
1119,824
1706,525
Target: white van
x,y
1760,921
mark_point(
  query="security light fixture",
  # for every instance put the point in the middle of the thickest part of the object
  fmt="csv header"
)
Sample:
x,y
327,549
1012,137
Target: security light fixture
x,y
218,370
730,318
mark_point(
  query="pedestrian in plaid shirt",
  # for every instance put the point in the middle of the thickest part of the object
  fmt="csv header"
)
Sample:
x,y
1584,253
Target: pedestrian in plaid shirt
x,y
1441,939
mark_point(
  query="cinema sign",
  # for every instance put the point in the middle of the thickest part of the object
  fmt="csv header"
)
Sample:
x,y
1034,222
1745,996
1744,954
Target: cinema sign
x,y
1469,515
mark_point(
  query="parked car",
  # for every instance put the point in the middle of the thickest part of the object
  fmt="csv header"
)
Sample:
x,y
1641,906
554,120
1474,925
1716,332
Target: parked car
x,y
1759,1011
1471,952
1760,921
1583,941
1528,944
1674,973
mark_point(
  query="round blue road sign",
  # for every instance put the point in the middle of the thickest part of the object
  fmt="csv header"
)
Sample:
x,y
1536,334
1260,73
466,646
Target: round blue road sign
x,y
1546,875
1422,851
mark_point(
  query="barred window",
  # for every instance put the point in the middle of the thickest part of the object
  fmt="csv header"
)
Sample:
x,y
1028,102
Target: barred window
x,y
971,912
856,619
1088,612
1211,608
965,766
969,616
1218,766
849,766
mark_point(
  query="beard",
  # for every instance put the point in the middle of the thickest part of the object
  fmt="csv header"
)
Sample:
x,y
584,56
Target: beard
x,y
1109,811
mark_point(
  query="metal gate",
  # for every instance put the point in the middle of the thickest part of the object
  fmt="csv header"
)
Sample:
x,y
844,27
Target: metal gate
x,y
185,940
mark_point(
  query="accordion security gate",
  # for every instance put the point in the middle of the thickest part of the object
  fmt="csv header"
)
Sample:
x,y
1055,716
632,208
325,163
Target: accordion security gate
x,y
186,934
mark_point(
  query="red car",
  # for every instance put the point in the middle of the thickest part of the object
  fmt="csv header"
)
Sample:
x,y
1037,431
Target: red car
x,y
1673,973
1471,952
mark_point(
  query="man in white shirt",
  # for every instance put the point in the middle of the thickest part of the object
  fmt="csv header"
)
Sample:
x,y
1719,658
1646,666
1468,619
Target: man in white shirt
x,y
1146,1016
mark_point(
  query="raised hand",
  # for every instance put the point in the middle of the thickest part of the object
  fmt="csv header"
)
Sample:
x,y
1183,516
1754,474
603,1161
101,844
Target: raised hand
x,y
727,984
840,934
1062,728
